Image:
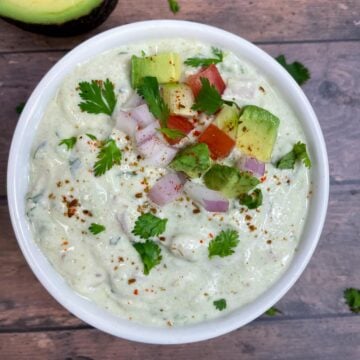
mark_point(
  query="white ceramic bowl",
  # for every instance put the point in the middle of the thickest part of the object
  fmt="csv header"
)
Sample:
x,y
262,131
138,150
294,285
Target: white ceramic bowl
x,y
19,165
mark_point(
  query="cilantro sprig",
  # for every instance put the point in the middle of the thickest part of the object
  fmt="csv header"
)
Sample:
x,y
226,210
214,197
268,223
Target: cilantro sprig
x,y
69,143
150,254
172,133
149,90
298,153
96,228
297,70
220,304
196,61
272,311
174,6
352,298
148,226
224,244
253,200
99,97
20,107
108,156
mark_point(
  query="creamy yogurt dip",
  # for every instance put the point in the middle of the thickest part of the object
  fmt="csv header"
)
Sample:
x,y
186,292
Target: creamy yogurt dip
x,y
65,198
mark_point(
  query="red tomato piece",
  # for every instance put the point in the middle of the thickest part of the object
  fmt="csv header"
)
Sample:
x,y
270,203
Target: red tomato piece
x,y
211,73
219,143
178,123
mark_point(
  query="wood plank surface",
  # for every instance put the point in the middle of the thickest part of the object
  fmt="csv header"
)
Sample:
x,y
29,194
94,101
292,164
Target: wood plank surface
x,y
319,292
336,338
261,21
334,91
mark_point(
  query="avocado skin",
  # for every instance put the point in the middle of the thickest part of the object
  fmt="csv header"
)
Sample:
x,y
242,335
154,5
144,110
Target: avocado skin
x,y
77,26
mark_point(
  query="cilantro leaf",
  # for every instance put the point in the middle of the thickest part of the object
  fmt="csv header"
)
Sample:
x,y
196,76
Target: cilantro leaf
x,y
92,137
149,225
174,6
96,228
272,311
223,244
352,298
69,143
149,90
108,156
208,99
99,97
297,153
195,62
150,254
253,200
20,107
297,70
220,304
172,133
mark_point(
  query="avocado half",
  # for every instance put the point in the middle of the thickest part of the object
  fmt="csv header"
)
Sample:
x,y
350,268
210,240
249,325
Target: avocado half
x,y
57,17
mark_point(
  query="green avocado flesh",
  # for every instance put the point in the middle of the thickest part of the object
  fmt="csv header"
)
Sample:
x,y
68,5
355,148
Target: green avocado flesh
x,y
57,17
257,132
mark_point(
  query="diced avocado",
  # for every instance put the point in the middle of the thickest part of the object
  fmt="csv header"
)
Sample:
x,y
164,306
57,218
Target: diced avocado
x,y
179,98
228,119
229,180
58,18
257,132
166,67
193,160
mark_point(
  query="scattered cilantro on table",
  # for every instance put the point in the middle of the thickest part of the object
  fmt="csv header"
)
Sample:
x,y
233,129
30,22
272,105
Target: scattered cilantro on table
x,y
195,61
69,143
150,254
297,153
224,244
174,6
220,304
297,70
149,225
109,155
352,298
272,311
96,228
99,97
20,107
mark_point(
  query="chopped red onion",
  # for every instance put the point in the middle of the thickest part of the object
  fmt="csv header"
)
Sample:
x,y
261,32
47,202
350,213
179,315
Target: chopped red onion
x,y
211,200
247,163
146,133
156,153
125,123
166,189
142,115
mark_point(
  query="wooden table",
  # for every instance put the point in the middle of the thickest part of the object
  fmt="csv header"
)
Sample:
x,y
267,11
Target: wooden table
x,y
315,324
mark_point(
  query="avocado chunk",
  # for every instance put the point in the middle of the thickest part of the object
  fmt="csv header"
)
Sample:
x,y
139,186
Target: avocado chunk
x,y
257,132
57,18
230,181
179,98
166,67
193,160
228,119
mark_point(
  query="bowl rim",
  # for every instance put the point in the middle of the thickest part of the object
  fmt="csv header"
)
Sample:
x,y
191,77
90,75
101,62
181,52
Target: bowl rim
x,y
17,177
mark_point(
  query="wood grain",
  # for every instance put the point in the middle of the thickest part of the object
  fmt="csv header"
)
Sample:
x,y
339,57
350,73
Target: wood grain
x,y
260,21
319,292
336,338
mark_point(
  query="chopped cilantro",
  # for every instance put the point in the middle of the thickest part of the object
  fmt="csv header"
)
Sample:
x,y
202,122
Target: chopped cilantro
x,y
209,99
149,225
172,133
352,298
297,70
99,97
253,200
195,62
69,143
272,311
150,254
220,304
174,6
109,155
149,90
20,107
297,153
223,244
96,228
92,137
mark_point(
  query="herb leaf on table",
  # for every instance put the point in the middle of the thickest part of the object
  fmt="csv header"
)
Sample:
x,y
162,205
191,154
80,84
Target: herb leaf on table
x,y
297,70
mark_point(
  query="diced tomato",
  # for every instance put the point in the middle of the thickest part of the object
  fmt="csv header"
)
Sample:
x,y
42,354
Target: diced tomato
x,y
178,123
211,73
219,143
